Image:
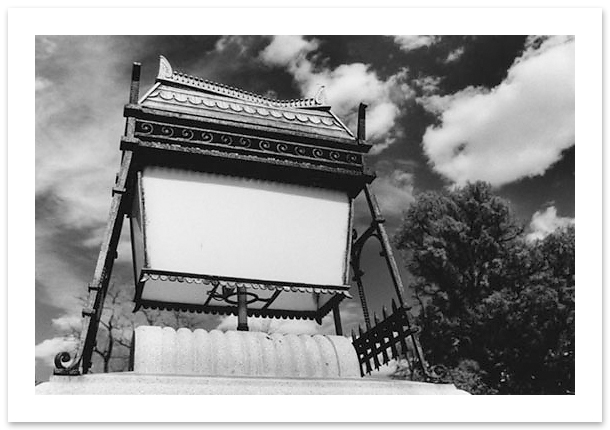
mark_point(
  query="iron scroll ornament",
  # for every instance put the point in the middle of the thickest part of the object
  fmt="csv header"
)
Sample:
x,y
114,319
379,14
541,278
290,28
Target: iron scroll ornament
x,y
66,365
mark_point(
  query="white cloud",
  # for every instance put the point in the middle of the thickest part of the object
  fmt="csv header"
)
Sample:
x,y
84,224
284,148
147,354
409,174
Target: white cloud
x,y
409,43
427,85
284,50
67,324
394,193
518,129
454,55
346,86
42,83
49,348
239,43
545,222
58,274
78,125
45,47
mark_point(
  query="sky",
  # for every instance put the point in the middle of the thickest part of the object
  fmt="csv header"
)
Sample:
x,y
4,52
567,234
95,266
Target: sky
x,y
442,111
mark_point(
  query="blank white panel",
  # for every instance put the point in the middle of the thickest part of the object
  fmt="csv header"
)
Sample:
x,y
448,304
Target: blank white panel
x,y
202,223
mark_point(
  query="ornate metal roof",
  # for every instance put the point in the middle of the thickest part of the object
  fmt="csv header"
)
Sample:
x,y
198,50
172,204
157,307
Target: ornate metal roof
x,y
221,104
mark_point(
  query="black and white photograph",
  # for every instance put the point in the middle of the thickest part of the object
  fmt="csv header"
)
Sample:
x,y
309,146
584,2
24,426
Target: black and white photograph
x,y
354,215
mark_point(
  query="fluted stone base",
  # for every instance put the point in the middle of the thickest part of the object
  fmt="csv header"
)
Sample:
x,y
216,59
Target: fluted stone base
x,y
163,350
134,383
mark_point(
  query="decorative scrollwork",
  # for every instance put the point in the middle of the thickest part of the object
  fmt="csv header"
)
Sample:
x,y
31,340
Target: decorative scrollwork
x,y
65,364
167,131
227,297
187,133
437,371
146,127
245,142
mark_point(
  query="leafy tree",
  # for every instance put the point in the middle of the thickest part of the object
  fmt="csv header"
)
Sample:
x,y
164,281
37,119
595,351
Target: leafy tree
x,y
457,243
497,310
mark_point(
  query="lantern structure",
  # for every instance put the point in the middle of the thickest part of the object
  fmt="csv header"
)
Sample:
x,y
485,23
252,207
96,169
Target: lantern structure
x,y
239,195
240,204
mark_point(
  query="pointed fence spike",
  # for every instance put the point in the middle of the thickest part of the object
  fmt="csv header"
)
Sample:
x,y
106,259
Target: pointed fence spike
x,y
359,330
393,348
384,313
393,306
384,353
375,318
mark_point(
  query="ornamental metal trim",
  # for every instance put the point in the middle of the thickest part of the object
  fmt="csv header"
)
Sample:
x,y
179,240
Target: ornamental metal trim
x,y
232,283
167,73
201,136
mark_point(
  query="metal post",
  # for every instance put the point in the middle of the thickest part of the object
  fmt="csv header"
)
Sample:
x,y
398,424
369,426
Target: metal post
x,y
337,318
242,309
378,219
358,278
98,288
361,134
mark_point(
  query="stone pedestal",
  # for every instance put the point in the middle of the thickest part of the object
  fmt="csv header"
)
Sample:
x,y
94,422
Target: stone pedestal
x,y
160,350
134,383
167,361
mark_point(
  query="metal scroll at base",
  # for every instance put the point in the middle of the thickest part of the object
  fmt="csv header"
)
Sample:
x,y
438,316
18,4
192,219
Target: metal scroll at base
x,y
65,365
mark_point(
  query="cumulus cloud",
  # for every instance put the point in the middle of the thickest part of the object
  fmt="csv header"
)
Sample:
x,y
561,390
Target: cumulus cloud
x,y
67,323
427,85
545,222
394,191
41,84
284,50
517,129
409,43
49,348
345,86
78,126
76,139
45,47
454,55
232,42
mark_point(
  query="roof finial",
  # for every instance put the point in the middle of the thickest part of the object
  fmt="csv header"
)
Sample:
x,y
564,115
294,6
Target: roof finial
x,y
320,96
165,69
361,134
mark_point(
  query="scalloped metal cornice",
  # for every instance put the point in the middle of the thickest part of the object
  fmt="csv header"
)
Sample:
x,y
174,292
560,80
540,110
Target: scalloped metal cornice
x,y
343,290
167,73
